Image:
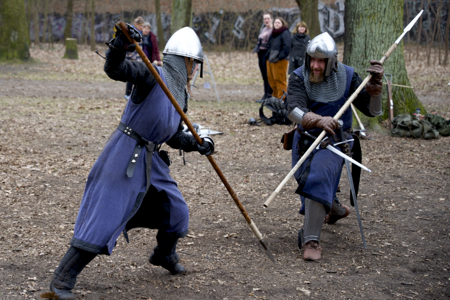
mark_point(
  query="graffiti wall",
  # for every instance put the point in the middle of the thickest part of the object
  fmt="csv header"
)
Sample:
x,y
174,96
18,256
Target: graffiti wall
x,y
236,30
432,11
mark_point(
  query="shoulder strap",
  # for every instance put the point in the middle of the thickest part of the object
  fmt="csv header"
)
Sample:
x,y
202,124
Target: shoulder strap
x,y
349,71
299,72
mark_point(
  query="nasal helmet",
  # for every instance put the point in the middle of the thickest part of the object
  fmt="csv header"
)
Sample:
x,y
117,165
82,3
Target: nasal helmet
x,y
322,46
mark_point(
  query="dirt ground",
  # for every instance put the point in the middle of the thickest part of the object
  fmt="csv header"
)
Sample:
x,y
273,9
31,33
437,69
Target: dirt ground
x,y
55,118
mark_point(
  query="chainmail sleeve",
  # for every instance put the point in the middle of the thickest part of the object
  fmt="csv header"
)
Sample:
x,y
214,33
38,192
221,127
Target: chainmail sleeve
x,y
182,140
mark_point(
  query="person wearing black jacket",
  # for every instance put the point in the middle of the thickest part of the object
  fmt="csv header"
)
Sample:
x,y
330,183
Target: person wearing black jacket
x,y
300,40
261,49
278,57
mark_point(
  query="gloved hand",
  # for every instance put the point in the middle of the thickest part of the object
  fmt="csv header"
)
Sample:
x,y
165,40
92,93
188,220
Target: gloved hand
x,y
121,43
375,85
311,120
207,147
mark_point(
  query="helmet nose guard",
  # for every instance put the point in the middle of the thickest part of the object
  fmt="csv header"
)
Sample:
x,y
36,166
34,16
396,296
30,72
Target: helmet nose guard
x,y
322,46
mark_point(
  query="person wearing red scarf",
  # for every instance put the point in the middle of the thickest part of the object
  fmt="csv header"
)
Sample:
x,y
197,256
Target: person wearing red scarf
x,y
278,57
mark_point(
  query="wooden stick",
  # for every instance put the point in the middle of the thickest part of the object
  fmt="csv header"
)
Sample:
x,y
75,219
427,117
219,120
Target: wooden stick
x,y
361,126
155,74
399,85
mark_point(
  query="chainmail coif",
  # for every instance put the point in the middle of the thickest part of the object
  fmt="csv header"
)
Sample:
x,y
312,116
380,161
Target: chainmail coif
x,y
330,90
174,69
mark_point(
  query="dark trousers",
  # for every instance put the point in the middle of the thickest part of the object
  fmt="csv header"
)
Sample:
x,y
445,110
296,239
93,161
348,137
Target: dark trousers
x,y
263,68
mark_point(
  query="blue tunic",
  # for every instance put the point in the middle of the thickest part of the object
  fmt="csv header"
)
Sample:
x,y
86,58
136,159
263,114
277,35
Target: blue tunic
x,y
319,175
111,198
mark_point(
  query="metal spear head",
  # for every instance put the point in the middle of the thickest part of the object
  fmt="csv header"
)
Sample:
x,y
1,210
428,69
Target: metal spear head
x,y
408,28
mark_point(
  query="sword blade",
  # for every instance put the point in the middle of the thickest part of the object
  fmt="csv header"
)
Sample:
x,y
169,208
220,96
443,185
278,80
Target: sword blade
x,y
352,188
347,158
408,28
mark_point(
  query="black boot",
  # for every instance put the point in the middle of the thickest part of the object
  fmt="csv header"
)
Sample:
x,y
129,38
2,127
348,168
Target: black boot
x,y
165,254
65,275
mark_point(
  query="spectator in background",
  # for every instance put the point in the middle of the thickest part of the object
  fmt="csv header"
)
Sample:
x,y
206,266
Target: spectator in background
x,y
139,25
261,49
300,40
150,45
278,57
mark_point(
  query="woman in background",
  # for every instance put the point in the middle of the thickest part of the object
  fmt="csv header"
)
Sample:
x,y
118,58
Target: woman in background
x,y
261,49
300,40
150,45
278,57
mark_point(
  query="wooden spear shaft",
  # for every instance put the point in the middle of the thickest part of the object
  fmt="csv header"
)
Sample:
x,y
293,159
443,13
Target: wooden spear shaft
x,y
155,74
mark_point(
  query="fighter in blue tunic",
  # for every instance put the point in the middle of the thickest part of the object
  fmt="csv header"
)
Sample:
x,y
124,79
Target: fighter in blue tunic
x,y
316,92
129,185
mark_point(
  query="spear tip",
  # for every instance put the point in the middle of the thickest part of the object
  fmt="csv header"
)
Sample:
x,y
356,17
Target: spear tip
x,y
268,253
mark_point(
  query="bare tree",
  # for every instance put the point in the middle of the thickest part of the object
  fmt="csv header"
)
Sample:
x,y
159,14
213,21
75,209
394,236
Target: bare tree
x,y
161,40
84,27
380,24
69,20
181,14
44,28
310,15
93,25
14,34
419,33
36,21
446,33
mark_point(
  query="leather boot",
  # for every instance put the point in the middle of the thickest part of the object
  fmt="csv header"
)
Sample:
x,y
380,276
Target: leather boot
x,y
61,294
338,211
165,255
312,251
69,268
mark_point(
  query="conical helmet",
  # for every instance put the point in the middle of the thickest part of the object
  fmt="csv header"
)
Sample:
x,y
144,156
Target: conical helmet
x,y
323,46
185,42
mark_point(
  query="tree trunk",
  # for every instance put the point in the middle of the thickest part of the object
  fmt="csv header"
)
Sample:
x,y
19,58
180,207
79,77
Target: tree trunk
x,y
419,35
438,33
92,25
50,25
309,14
446,33
14,34
161,40
181,14
371,27
71,49
36,22
430,35
84,28
68,29
44,28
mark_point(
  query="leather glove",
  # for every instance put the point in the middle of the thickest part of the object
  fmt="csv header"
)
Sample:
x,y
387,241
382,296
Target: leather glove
x,y
375,86
207,147
311,120
121,43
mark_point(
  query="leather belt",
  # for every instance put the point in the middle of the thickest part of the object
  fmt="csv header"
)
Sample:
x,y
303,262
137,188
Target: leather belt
x,y
141,143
